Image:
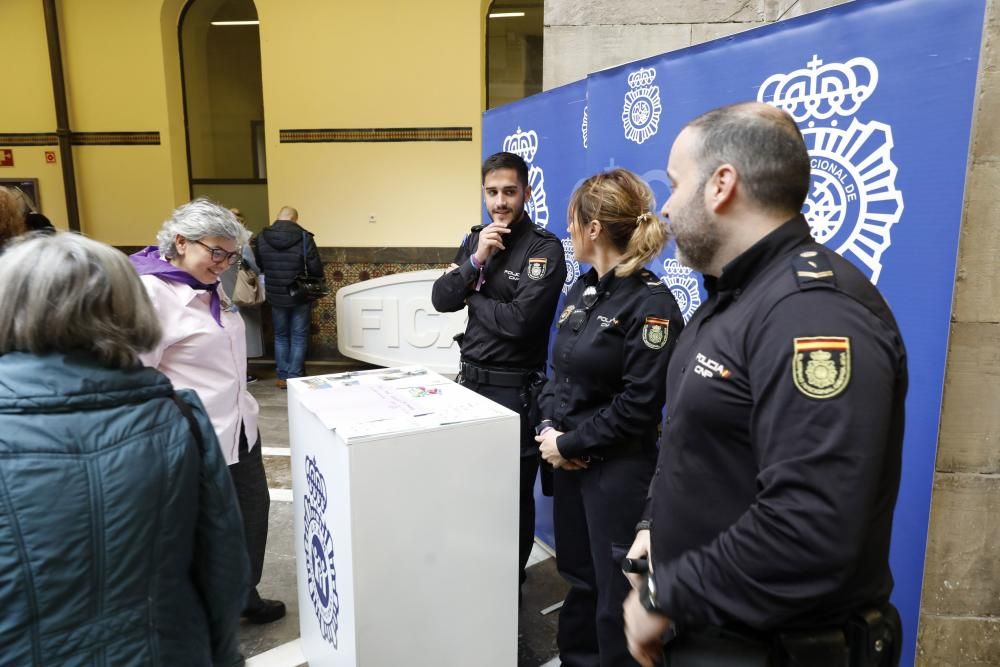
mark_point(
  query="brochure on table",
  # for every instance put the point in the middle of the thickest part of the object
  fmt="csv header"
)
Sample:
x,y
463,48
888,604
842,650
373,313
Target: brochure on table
x,y
364,404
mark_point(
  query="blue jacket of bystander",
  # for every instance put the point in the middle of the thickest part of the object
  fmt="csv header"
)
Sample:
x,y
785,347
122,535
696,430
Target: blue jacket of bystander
x,y
120,536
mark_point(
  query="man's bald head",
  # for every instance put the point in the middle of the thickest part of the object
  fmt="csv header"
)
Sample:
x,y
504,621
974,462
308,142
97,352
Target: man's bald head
x,y
765,147
288,213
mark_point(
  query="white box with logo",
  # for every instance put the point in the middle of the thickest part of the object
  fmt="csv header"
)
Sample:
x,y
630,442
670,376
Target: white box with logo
x,y
406,541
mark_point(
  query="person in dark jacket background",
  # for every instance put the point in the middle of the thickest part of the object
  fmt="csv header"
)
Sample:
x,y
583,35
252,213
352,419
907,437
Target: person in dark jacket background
x,y
121,541
284,250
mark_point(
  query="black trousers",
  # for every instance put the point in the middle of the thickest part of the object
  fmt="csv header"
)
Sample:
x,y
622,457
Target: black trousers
x,y
595,513
516,399
255,506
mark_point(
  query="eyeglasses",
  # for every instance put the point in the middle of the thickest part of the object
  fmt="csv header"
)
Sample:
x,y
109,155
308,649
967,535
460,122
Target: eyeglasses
x,y
220,254
579,317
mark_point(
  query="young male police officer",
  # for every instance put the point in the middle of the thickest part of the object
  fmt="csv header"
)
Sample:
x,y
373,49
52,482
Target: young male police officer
x,y
510,274
772,505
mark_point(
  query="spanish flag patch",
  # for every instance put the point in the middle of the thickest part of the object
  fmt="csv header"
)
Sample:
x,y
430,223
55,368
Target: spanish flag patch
x,y
655,332
821,366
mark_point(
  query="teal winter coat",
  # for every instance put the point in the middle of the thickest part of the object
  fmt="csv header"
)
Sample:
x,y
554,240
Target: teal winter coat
x,y
121,541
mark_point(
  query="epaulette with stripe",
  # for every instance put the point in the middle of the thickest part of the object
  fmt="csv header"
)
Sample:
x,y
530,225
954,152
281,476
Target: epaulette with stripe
x,y
544,233
654,284
813,269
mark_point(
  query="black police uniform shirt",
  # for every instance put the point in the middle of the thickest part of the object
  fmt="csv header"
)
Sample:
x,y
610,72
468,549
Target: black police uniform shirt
x,y
511,313
779,467
607,387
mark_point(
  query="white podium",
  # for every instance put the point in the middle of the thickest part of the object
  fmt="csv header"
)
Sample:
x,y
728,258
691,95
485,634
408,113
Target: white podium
x,y
405,542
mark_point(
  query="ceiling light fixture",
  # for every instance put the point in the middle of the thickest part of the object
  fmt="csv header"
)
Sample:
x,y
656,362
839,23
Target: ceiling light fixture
x,y
506,15
235,22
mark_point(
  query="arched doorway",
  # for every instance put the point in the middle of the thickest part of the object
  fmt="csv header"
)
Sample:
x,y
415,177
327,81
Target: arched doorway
x,y
219,42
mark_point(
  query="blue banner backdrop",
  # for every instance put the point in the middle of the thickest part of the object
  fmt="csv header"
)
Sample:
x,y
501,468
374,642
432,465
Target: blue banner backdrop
x,y
883,93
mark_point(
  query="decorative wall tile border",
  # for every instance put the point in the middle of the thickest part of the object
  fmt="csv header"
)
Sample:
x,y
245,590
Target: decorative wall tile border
x,y
375,134
388,255
81,139
115,138
28,139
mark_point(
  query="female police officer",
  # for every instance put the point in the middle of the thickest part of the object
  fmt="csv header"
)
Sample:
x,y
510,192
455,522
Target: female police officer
x,y
602,406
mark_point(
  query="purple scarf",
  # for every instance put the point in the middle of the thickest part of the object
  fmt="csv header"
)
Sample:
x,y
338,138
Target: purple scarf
x,y
149,263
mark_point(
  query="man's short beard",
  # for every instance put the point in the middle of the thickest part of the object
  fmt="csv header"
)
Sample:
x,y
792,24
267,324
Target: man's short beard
x,y
516,216
701,237
700,249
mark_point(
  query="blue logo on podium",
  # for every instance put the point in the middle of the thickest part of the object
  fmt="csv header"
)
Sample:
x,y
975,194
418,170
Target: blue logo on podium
x,y
321,574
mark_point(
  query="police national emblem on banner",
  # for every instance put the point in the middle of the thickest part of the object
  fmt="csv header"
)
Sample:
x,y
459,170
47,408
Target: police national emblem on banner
x,y
821,366
853,201
683,285
641,110
572,266
318,545
525,145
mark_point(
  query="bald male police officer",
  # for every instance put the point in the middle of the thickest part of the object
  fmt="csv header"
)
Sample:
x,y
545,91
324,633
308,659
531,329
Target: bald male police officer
x,y
510,274
771,509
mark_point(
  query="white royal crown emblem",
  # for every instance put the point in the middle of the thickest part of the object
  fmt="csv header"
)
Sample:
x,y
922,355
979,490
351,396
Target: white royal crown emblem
x,y
853,201
572,266
683,285
321,574
584,126
641,112
525,144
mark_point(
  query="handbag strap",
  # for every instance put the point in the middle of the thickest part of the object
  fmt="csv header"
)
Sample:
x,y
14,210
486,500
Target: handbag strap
x,y
189,416
305,262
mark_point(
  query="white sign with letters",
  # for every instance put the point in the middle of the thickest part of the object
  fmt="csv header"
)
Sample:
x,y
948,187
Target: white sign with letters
x,y
390,321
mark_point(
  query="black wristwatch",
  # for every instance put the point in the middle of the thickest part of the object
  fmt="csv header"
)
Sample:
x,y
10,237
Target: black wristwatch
x,y
542,425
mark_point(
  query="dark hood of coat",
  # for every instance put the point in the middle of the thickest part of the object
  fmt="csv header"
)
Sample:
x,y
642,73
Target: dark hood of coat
x,y
283,234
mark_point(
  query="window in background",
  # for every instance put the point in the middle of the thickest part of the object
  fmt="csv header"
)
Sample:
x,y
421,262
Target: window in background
x,y
513,50
224,105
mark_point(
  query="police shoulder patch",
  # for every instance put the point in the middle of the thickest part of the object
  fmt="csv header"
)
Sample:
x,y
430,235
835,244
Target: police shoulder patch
x,y
536,267
821,366
655,332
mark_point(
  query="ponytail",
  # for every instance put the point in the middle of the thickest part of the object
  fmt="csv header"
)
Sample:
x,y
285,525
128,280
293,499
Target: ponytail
x,y
621,202
646,242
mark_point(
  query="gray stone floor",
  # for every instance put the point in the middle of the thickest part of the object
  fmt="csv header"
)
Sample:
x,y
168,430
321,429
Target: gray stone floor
x,y
543,588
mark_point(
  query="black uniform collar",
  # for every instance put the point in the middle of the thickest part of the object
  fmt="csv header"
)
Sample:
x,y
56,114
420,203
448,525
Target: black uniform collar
x,y
605,284
742,270
518,228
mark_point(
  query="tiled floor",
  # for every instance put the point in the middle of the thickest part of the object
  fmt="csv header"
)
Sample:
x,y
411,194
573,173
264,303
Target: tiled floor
x,y
276,644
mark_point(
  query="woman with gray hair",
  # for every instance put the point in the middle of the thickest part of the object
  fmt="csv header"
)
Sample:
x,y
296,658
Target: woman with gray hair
x,y
204,349
122,540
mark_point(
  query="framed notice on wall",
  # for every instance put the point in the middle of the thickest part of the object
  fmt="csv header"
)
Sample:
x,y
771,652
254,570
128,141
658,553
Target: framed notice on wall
x,y
27,187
